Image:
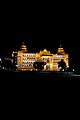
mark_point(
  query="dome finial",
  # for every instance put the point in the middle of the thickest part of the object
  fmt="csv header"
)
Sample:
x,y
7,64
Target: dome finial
x,y
60,45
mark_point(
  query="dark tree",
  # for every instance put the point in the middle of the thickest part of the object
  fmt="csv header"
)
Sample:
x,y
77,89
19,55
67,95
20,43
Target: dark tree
x,y
62,64
7,64
39,65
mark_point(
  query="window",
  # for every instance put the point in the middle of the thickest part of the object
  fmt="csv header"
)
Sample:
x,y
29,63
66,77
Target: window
x,y
59,56
55,63
27,64
22,64
18,65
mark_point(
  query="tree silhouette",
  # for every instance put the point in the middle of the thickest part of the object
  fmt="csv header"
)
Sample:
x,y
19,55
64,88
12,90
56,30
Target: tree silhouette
x,y
39,65
62,64
7,64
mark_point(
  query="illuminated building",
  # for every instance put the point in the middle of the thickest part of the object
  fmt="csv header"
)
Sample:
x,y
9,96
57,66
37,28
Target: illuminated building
x,y
47,57
24,60
58,56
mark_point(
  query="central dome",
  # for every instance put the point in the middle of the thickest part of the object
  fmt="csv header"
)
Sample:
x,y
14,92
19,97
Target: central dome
x,y
45,50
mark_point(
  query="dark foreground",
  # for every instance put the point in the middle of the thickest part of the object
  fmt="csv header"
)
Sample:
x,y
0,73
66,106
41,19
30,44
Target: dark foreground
x,y
37,76
37,85
33,77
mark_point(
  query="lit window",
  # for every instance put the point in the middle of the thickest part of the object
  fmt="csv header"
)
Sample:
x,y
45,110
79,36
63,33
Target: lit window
x,y
18,65
58,56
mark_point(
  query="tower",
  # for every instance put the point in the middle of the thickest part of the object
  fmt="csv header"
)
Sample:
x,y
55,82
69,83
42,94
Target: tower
x,y
23,47
60,50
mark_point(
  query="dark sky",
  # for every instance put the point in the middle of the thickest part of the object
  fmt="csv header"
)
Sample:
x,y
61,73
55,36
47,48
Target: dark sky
x,y
41,28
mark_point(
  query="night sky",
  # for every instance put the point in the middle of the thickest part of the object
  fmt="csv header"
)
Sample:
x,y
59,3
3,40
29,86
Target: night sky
x,y
41,29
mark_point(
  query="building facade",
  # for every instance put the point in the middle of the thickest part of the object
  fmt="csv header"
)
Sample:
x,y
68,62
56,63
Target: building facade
x,y
24,60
